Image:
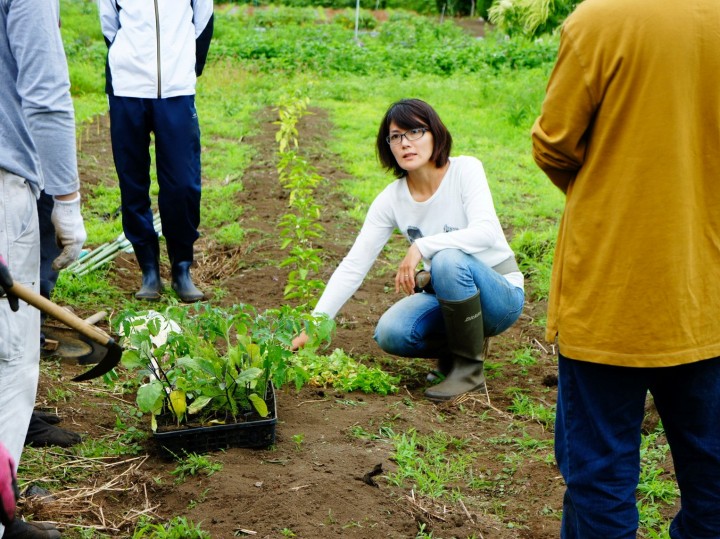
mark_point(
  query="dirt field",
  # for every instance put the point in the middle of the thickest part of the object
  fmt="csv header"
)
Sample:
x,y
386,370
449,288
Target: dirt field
x,y
315,490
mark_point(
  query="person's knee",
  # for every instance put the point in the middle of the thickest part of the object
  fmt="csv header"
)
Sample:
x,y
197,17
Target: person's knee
x,y
448,261
390,335
447,264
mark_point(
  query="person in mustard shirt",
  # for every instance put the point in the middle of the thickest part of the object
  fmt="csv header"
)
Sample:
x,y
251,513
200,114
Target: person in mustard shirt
x,y
630,132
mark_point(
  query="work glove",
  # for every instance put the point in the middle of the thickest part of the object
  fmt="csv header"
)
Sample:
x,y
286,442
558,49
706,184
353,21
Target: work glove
x,y
9,492
6,283
69,231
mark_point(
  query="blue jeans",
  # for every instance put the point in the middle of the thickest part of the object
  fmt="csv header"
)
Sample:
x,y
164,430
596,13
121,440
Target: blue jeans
x,y
414,327
600,410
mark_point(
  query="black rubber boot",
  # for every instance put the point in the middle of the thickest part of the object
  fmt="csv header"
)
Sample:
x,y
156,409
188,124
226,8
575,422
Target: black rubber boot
x,y
466,342
148,257
48,417
182,283
42,434
20,529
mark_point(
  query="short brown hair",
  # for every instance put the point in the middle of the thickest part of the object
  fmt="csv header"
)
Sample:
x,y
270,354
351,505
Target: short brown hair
x,y
409,114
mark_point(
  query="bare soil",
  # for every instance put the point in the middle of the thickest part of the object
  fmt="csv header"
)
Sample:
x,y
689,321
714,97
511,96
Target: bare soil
x,y
315,488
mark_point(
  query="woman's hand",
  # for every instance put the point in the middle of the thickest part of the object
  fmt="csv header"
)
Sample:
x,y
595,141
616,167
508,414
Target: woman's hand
x,y
299,342
405,278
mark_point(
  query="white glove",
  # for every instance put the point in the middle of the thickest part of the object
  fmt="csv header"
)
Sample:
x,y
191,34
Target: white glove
x,y
69,231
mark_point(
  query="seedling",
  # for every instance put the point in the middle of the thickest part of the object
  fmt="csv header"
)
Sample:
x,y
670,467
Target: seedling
x,y
298,228
298,440
193,464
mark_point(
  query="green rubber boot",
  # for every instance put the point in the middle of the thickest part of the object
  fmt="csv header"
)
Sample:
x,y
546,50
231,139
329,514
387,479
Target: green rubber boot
x,y
466,342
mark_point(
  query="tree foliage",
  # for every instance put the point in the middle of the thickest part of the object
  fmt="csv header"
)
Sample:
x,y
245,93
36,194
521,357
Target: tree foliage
x,y
530,18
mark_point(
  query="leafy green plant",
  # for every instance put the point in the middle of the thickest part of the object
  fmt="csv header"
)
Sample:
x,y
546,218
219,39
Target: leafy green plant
x,y
344,373
216,368
192,464
422,532
656,486
298,440
524,358
347,19
290,111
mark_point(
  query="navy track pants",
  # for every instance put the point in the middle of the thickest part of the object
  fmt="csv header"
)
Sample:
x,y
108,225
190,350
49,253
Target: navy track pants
x,y
174,122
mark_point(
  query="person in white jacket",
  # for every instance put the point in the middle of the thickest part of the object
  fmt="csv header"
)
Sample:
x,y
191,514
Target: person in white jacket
x,y
156,50
444,208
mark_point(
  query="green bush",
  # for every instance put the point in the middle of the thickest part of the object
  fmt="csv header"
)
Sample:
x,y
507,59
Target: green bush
x,y
530,17
304,43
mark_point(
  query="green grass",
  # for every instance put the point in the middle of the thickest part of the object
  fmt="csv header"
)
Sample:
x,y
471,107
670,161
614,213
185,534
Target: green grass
x,y
525,407
176,528
91,291
430,464
86,51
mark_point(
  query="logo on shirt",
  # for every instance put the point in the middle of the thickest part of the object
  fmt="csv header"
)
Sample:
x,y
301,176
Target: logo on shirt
x,y
414,233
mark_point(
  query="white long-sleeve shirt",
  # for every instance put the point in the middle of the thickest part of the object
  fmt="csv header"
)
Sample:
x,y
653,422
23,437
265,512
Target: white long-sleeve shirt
x,y
459,215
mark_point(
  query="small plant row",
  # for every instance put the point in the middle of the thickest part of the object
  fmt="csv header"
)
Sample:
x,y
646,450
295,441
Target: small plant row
x,y
300,226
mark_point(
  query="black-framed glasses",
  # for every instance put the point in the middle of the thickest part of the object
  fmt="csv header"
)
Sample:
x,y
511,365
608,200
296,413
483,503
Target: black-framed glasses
x,y
410,134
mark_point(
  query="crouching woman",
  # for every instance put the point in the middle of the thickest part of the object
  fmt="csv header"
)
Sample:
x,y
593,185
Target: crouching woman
x,y
443,207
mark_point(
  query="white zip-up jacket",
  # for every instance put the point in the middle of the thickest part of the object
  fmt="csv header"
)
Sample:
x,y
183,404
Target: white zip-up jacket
x,y
152,45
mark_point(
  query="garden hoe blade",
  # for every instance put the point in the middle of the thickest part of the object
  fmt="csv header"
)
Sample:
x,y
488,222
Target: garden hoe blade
x,y
114,351
108,363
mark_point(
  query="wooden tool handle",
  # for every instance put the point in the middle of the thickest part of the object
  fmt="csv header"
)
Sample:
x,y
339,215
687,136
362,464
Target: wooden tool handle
x,y
59,313
95,318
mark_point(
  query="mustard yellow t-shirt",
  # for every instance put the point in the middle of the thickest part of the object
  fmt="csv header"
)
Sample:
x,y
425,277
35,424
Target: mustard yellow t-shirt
x,y
630,129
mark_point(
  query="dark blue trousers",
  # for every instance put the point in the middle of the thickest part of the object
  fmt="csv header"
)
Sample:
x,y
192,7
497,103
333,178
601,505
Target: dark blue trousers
x,y
600,410
49,249
174,122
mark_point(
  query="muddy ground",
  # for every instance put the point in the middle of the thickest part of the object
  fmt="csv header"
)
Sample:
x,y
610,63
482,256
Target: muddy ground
x,y
315,489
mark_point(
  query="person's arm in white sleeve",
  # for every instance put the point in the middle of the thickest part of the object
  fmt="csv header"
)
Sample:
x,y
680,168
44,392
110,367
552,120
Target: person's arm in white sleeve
x,y
351,272
109,19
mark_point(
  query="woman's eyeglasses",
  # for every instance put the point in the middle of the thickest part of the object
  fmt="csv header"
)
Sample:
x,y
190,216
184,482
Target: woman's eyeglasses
x,y
410,134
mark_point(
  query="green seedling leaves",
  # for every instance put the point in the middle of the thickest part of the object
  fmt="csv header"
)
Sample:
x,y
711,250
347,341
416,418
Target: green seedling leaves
x,y
132,360
150,396
259,405
198,404
248,375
